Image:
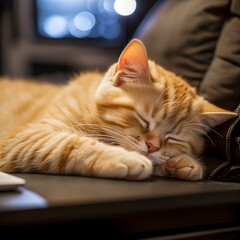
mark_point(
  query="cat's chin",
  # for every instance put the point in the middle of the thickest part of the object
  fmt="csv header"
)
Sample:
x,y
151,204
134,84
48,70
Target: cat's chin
x,y
157,159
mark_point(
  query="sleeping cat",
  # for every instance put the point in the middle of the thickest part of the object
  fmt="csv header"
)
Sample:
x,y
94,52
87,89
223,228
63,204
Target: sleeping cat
x,y
136,120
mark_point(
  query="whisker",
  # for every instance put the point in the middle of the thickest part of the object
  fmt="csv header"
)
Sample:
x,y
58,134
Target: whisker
x,y
203,133
104,127
205,127
197,116
105,138
114,130
129,139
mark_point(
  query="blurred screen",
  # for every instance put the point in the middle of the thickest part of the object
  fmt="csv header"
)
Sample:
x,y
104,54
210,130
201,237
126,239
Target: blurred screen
x,y
92,19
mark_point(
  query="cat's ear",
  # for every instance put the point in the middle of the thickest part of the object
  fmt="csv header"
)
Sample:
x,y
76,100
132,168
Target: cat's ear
x,y
132,64
213,115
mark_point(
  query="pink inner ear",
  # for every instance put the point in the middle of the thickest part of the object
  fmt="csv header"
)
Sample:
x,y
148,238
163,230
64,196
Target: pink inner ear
x,y
134,54
133,62
123,64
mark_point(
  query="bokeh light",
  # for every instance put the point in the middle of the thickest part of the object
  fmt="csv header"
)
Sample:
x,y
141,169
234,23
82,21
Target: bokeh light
x,y
55,26
76,32
84,21
83,18
125,7
108,6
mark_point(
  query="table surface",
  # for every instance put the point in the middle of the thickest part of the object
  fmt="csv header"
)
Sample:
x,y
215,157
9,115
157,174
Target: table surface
x,y
51,198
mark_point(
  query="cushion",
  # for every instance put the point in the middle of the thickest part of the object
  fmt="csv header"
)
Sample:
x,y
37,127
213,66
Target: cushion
x,y
197,40
221,83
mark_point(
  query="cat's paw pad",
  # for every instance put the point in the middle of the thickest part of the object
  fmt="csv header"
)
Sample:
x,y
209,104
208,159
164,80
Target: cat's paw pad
x,y
184,167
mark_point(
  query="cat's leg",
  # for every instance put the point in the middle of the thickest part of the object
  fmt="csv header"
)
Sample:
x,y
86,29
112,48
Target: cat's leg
x,y
181,166
40,149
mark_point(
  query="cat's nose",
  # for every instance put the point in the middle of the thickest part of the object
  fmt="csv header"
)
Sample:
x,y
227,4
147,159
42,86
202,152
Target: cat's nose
x,y
151,147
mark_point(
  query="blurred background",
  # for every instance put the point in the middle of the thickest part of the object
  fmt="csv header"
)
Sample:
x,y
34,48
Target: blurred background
x,y
52,39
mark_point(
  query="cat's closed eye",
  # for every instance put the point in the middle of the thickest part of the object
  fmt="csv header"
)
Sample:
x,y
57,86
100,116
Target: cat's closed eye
x,y
174,139
142,121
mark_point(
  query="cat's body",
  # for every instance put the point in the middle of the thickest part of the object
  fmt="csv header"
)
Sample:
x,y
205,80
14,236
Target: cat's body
x,y
21,102
116,125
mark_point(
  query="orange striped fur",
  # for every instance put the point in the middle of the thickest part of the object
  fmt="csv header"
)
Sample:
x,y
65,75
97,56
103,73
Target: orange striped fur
x,y
117,125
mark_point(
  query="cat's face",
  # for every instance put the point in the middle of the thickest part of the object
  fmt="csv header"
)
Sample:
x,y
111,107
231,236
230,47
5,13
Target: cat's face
x,y
144,108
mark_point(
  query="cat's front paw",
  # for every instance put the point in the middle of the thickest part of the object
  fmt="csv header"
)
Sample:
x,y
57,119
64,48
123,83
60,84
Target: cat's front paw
x,y
135,166
181,166
184,167
123,165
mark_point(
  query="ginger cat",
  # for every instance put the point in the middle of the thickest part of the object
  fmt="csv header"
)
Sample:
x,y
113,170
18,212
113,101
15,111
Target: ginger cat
x,y
136,120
